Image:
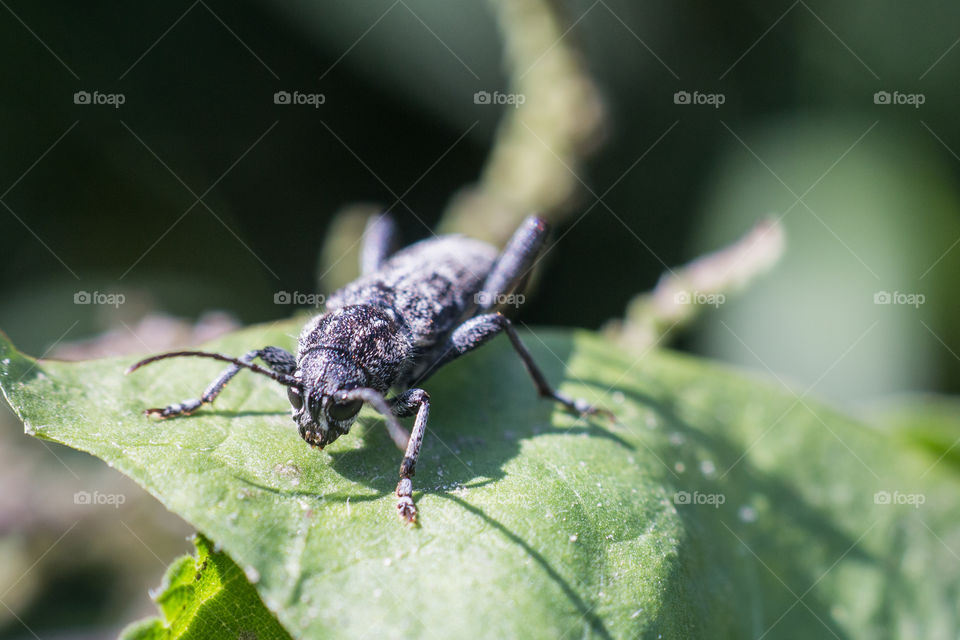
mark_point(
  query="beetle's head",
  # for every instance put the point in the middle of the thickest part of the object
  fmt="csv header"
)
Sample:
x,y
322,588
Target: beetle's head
x,y
325,403
343,355
322,416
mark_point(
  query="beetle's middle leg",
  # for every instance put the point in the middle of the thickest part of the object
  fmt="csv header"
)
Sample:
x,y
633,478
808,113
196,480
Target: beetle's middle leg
x,y
477,331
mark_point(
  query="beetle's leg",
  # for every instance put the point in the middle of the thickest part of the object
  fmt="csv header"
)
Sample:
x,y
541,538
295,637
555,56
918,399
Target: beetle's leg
x,y
406,404
513,266
379,242
477,331
276,358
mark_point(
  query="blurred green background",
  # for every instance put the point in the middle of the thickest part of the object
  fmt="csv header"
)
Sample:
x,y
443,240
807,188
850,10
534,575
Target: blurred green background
x,y
104,199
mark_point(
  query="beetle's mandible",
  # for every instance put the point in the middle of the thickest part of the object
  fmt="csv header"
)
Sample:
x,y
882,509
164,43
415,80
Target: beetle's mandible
x,y
409,313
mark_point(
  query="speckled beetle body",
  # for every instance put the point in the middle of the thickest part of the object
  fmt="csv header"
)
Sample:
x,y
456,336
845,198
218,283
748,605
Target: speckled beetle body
x,y
407,315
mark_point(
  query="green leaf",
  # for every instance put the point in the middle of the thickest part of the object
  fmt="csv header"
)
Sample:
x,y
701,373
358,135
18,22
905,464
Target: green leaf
x,y
207,597
927,421
718,506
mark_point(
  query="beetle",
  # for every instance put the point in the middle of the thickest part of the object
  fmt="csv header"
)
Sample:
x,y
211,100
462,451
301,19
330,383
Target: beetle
x,y
409,313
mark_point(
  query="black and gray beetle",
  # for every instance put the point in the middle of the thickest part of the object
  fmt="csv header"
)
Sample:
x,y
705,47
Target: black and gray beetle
x,y
408,314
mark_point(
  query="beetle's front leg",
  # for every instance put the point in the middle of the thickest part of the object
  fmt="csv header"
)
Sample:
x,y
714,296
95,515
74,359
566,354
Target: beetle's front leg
x,y
406,404
414,400
276,358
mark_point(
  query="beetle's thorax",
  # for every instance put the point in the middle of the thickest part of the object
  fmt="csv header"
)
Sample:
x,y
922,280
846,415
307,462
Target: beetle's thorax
x,y
360,345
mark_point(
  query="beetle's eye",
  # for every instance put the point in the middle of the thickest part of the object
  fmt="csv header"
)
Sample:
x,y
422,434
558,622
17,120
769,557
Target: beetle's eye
x,y
340,411
293,395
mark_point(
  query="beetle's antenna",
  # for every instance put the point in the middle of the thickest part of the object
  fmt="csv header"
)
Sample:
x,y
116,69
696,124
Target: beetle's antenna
x,y
282,378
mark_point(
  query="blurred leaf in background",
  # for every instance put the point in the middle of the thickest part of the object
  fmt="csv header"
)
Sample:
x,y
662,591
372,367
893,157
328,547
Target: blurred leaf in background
x,y
865,294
